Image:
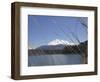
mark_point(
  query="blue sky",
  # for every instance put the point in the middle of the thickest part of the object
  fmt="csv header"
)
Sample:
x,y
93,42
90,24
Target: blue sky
x,y
43,29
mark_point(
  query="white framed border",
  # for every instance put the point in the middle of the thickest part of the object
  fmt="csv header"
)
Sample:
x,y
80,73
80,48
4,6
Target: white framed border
x,y
25,70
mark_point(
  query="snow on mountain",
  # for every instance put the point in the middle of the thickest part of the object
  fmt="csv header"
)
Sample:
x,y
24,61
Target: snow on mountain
x,y
57,42
29,47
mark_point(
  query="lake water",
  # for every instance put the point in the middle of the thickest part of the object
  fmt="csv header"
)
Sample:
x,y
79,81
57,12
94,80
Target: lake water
x,y
54,59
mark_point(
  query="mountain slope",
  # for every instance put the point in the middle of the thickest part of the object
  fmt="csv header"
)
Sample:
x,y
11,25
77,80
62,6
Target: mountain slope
x,y
52,47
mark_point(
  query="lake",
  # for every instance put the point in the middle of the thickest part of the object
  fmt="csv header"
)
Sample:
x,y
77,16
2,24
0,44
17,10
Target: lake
x,y
54,59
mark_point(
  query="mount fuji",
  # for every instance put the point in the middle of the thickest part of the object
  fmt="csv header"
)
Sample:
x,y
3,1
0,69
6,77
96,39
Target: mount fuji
x,y
56,45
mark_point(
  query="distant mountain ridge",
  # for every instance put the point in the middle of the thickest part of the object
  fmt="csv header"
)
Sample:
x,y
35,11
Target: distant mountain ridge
x,y
60,49
56,47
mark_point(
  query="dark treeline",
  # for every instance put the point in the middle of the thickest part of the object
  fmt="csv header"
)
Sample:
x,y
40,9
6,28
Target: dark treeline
x,y
39,52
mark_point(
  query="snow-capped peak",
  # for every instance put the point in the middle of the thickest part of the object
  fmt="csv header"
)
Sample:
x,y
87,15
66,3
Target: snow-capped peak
x,y
57,41
29,47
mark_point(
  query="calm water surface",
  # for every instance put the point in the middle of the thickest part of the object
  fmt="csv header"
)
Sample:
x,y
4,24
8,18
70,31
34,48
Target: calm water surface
x,y
54,59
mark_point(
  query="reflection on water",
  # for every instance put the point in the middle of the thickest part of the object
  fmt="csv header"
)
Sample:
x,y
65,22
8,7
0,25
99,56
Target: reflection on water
x,y
55,59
